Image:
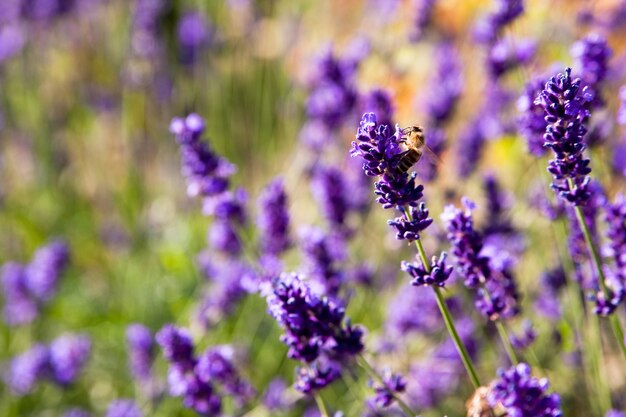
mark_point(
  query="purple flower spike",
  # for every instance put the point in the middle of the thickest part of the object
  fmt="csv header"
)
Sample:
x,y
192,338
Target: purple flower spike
x,y
438,275
526,338
206,173
273,218
123,408
19,307
532,123
176,344
330,190
522,395
274,397
592,54
410,229
45,268
68,355
317,376
615,413
376,145
566,109
393,384
140,351
28,368
491,25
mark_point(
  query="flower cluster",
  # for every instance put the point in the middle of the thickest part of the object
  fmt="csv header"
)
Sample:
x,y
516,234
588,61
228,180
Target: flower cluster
x,y
392,384
437,274
140,352
593,54
197,379
27,287
323,254
61,362
496,289
206,173
523,395
565,106
531,121
315,331
491,25
273,219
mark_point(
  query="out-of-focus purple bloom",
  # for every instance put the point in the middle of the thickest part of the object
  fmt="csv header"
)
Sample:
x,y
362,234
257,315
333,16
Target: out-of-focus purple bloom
x,y
273,218
469,147
505,56
379,102
216,365
332,96
616,234
231,279
497,204
552,210
621,113
68,355
496,289
435,376
526,338
123,408
467,244
43,271
437,276
223,237
490,26
12,40
19,307
522,395
619,158
446,86
323,252
140,351
316,376
28,368
194,33
206,173
615,413
183,378
531,122
423,18
592,54
565,105
76,412
393,384
274,396
410,228
331,193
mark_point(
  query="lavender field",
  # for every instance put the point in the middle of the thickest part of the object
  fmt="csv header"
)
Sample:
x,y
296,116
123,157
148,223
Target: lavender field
x,y
314,208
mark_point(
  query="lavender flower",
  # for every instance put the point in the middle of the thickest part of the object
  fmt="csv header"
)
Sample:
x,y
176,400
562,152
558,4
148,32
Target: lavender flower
x,y
410,228
273,218
522,395
379,102
616,234
423,18
331,193
193,33
496,295
216,365
28,368
123,408
385,394
274,397
446,86
68,355
183,377
140,351
45,268
491,25
438,274
314,331
323,253
505,56
207,174
19,307
621,113
615,413
526,338
376,145
592,54
565,106
531,122
76,412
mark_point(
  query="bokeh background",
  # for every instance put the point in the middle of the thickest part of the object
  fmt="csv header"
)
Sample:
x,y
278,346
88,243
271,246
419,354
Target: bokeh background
x,y
87,92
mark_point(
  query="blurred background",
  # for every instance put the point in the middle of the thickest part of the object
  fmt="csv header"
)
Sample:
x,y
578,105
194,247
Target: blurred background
x,y
88,89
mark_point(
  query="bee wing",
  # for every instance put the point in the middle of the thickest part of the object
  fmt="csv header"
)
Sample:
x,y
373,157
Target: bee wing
x,y
430,155
428,164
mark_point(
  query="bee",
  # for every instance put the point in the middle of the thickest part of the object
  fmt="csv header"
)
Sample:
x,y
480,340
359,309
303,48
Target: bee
x,y
415,145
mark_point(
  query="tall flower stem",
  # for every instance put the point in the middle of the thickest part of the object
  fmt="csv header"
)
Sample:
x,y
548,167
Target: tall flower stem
x,y
370,370
449,322
506,341
615,323
320,404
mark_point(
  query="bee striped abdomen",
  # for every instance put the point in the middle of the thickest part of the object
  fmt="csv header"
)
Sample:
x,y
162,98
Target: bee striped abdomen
x,y
408,159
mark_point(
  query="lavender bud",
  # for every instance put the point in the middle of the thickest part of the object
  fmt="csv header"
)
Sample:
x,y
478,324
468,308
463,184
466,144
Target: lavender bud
x,y
26,369
68,355
123,408
438,274
273,218
141,351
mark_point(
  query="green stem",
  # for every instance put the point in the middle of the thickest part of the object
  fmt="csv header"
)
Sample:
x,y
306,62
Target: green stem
x,y
447,318
370,370
615,324
320,404
507,342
